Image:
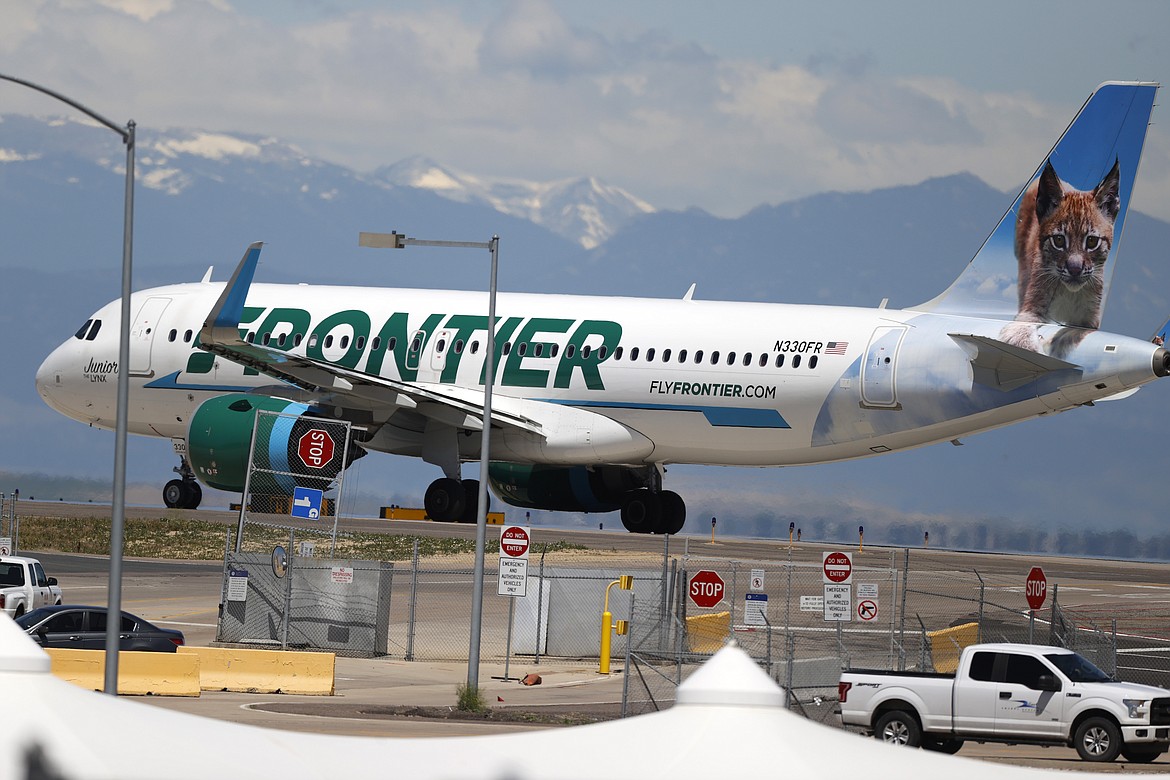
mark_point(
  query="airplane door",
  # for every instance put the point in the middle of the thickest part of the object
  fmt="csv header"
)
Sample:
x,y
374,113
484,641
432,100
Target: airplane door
x,y
442,343
878,387
142,334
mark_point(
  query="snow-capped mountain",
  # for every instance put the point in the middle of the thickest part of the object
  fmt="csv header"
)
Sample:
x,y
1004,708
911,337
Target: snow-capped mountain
x,y
583,210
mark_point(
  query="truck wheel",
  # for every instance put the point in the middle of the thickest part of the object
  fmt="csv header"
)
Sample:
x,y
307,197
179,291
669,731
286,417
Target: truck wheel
x,y
1142,754
19,611
898,728
1097,739
948,746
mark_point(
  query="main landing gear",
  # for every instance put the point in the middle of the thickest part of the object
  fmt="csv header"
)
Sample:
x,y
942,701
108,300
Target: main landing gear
x,y
452,500
647,511
184,493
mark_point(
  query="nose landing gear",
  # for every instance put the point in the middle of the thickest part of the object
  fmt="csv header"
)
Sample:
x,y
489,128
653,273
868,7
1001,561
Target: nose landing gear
x,y
184,493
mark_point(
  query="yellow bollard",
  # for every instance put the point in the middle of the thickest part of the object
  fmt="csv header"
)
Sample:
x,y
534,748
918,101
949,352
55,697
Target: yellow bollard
x,y
625,582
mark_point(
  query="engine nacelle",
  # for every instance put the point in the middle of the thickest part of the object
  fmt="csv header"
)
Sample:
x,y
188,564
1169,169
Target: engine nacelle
x,y
219,439
565,488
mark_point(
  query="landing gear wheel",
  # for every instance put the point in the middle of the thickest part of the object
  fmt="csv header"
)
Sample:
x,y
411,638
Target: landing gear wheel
x,y
194,495
175,494
674,512
898,728
444,500
470,501
182,494
1097,739
641,511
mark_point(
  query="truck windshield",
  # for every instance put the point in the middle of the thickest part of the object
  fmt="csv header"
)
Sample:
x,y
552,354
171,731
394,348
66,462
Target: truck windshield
x,y
1078,668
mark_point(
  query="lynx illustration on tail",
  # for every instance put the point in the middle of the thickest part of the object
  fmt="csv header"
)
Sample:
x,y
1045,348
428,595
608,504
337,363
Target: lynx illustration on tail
x,y
1063,238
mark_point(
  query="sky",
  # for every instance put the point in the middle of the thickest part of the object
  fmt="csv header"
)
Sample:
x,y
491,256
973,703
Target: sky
x,y
685,104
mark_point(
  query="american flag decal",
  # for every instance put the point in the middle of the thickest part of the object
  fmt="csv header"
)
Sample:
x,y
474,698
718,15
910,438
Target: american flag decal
x,y
836,347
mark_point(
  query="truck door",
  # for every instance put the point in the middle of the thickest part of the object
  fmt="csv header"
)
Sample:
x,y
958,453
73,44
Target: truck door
x,y
1022,708
41,594
975,693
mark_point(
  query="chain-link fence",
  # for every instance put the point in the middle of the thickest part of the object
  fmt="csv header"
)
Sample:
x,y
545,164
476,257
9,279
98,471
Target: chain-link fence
x,y
895,617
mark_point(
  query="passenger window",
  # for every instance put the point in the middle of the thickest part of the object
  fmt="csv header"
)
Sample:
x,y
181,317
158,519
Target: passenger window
x,y
649,354
812,362
280,339
174,334
763,359
415,345
556,348
377,342
983,667
730,358
538,350
585,350
1025,670
747,358
682,356
602,352
698,356
391,342
267,336
251,338
360,343
796,361
440,346
474,346
299,336
617,353
714,357
780,360
187,337
344,342
634,353
570,350
507,347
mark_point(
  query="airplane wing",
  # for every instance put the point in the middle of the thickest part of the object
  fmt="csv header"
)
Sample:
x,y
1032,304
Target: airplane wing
x,y
1004,366
310,379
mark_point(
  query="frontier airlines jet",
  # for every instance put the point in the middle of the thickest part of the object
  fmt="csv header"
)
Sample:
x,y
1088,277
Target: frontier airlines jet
x,y
595,396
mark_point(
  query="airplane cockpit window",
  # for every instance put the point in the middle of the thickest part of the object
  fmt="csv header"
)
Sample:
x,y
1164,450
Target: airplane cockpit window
x,y
89,330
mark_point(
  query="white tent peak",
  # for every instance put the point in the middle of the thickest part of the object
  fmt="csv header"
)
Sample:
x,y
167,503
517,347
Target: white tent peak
x,y
731,678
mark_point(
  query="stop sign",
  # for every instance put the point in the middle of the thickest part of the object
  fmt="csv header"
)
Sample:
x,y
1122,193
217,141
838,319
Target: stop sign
x,y
706,588
315,448
1036,588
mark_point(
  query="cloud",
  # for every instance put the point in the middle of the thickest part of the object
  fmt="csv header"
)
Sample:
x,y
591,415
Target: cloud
x,y
527,93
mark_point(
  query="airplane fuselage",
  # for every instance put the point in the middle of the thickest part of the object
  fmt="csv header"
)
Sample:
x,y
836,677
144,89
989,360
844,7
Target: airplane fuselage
x,y
687,381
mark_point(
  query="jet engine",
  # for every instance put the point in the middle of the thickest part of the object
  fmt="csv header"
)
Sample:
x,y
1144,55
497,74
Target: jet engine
x,y
292,447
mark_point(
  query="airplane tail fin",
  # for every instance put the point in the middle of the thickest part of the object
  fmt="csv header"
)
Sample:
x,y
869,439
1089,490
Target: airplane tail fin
x,y
1051,256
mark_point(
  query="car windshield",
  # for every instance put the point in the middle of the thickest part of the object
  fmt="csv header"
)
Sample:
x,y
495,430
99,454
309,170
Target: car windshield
x,y
29,619
1077,668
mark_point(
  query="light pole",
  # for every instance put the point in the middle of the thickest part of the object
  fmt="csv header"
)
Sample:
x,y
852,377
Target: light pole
x,y
118,513
400,241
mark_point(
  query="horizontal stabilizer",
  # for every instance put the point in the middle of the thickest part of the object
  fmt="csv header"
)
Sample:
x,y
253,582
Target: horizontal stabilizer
x,y
1006,367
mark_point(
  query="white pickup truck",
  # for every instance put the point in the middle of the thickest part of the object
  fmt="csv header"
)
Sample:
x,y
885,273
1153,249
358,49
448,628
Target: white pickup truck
x,y
24,586
1011,693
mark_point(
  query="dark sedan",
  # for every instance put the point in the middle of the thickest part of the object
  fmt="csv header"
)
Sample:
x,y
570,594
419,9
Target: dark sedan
x,y
84,628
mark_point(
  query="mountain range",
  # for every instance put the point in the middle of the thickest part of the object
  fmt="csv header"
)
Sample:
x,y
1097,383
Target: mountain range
x,y
202,196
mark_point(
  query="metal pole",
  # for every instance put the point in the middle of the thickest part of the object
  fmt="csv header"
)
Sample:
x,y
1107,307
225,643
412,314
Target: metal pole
x,y
481,510
540,602
247,482
902,618
288,578
413,603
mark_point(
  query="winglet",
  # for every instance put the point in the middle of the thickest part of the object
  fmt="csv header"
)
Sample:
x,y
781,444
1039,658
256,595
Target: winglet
x,y
223,321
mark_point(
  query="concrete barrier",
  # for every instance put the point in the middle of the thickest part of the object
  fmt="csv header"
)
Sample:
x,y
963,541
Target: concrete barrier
x,y
708,633
264,671
947,643
139,673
